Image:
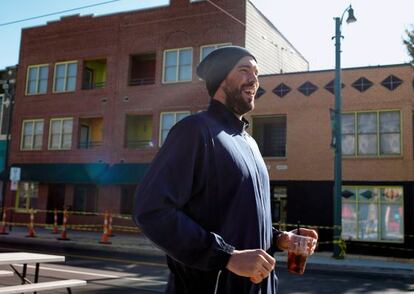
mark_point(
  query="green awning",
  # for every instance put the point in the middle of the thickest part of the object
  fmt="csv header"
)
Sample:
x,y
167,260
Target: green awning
x,y
124,173
84,173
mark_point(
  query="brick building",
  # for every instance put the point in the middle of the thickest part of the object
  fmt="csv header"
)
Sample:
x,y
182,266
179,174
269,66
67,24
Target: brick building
x,y
96,97
292,125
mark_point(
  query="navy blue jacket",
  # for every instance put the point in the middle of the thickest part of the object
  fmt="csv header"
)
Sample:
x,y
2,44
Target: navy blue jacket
x,y
205,194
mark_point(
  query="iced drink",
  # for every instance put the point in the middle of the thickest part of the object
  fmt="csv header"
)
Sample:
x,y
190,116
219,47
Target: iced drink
x,y
300,247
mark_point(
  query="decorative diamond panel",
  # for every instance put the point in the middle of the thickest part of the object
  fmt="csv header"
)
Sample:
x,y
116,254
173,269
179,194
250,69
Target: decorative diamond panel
x,y
259,93
307,88
391,82
331,86
281,90
362,84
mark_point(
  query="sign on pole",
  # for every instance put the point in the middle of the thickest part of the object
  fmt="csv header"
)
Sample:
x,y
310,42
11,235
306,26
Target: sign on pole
x,y
14,177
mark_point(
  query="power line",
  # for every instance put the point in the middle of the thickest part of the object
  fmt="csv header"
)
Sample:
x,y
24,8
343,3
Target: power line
x,y
54,13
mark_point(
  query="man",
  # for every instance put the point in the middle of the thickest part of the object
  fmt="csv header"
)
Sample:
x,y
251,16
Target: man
x,y
205,200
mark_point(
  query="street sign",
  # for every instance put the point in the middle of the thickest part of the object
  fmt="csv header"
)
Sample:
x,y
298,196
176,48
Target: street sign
x,y
15,174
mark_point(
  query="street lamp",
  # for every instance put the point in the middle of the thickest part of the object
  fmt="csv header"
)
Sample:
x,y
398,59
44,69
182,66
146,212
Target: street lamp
x,y
337,252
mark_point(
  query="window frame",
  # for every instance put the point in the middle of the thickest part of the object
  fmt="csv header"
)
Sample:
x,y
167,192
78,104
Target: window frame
x,y
216,46
22,134
378,134
379,206
66,63
38,66
61,133
177,80
286,132
160,142
27,200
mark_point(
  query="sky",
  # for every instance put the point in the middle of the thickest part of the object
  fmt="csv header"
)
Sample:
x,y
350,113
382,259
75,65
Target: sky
x,y
375,39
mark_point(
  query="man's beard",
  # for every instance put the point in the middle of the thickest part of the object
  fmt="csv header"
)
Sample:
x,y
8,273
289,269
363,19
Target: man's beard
x,y
235,101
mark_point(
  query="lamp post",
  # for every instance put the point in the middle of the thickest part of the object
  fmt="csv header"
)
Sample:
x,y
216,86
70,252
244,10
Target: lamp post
x,y
337,134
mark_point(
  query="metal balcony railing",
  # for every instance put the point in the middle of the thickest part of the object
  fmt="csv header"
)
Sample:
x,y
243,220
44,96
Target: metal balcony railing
x,y
97,85
139,144
142,81
89,144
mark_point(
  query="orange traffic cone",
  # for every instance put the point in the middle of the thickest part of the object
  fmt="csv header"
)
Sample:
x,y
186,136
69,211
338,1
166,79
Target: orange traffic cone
x,y
104,237
55,223
31,233
110,233
64,236
3,230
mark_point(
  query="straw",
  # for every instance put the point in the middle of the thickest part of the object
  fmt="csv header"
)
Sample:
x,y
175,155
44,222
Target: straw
x,y
298,231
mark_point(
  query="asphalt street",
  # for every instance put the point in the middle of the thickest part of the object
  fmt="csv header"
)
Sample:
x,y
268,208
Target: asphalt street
x,y
123,273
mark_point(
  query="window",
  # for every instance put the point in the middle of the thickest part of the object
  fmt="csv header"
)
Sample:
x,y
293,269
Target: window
x,y
65,76
142,69
207,49
391,82
26,195
259,93
90,132
60,133
94,74
307,88
373,213
32,135
85,198
331,86
362,84
138,131
178,65
168,120
281,90
36,82
375,133
270,135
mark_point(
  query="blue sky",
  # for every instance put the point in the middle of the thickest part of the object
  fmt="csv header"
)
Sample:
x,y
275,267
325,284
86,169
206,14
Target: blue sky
x,y
375,39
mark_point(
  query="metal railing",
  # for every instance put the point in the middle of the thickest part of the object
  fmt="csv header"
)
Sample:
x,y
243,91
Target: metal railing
x,y
97,85
89,144
139,144
142,81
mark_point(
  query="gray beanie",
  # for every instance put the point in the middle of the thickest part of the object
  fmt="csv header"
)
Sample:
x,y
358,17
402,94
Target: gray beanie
x,y
217,65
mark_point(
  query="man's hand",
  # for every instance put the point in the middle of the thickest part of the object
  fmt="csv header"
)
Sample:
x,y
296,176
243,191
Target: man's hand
x,y
255,264
282,241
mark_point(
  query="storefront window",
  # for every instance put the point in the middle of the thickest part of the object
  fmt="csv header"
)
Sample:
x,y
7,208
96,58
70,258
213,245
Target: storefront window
x,y
372,213
26,196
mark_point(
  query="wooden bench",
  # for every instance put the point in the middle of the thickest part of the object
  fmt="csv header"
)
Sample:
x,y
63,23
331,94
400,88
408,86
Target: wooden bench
x,y
6,273
43,286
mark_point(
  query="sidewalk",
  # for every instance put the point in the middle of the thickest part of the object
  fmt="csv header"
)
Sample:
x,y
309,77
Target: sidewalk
x,y
138,244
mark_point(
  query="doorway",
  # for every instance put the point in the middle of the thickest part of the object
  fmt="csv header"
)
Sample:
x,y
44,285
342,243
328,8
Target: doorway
x,y
279,206
55,200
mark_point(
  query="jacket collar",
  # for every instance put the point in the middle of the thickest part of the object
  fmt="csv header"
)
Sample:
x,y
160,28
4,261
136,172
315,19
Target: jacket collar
x,y
219,109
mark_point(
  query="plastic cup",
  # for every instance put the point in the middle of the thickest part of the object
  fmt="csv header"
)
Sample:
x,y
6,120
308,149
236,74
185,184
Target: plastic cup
x,y
300,247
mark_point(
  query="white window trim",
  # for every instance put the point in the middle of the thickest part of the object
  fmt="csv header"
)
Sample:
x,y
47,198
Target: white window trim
x,y
60,133
33,121
175,119
66,63
178,66
218,45
38,66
